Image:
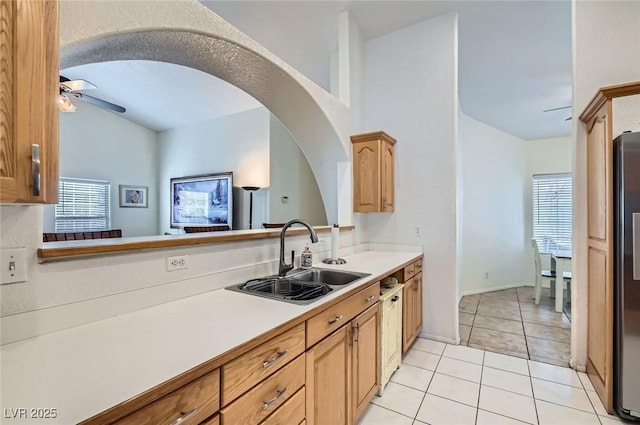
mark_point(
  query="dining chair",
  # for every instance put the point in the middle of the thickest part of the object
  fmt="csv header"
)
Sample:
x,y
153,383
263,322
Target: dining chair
x,y
549,275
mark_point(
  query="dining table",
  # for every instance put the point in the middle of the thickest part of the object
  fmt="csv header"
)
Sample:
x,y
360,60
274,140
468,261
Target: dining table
x,y
560,263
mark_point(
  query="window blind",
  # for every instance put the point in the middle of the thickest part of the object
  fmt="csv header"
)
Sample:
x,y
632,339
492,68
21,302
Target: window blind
x,y
84,205
552,209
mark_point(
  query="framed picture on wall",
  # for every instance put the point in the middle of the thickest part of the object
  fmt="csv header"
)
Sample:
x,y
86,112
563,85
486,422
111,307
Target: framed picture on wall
x,y
202,201
134,196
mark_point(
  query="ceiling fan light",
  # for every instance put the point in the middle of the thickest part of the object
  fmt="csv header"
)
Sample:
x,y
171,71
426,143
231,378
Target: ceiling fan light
x,y
65,105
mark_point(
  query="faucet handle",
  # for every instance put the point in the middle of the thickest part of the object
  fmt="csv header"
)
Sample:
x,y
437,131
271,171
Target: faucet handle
x,y
293,256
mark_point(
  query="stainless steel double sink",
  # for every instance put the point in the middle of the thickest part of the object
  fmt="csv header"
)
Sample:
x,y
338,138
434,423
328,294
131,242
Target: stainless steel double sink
x,y
300,286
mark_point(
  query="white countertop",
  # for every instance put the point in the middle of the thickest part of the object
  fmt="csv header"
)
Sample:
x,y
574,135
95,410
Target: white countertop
x,y
85,370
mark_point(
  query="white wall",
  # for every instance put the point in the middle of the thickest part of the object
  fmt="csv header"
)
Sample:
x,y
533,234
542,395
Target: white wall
x,y
494,175
96,144
601,58
411,93
237,143
291,177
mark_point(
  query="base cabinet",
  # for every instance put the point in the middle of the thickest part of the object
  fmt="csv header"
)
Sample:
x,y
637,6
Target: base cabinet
x,y
412,306
342,371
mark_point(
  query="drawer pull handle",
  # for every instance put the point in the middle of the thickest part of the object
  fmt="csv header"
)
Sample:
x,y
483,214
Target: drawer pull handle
x,y
266,404
337,318
370,298
394,299
35,169
410,271
184,416
274,359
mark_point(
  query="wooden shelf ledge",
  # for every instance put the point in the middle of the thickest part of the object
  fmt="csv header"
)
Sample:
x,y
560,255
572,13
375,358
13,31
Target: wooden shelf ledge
x,y
54,251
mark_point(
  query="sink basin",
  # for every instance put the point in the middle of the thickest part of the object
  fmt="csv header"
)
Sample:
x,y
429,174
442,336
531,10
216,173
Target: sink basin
x,y
287,289
301,286
328,276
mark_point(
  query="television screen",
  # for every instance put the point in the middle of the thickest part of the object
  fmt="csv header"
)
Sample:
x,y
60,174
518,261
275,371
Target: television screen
x,y
200,201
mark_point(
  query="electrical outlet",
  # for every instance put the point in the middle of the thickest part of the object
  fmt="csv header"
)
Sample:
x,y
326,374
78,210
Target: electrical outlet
x,y
486,275
418,231
177,263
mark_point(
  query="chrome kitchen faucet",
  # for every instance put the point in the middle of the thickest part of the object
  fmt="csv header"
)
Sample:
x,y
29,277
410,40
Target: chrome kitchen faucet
x,y
284,267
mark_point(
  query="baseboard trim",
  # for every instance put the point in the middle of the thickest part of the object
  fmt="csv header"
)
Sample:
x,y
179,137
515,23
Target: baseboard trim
x,y
437,338
491,289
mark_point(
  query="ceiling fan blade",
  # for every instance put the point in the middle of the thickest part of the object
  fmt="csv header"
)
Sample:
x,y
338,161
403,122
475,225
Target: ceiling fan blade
x,y
99,102
75,85
557,109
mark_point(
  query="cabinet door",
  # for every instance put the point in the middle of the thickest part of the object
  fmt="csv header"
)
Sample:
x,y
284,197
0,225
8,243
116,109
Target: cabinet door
x,y
408,314
366,360
366,176
417,305
29,42
387,184
328,380
600,254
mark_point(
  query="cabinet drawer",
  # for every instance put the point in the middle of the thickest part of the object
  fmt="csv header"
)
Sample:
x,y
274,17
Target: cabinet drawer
x,y
417,266
331,319
266,397
409,272
291,412
194,402
244,372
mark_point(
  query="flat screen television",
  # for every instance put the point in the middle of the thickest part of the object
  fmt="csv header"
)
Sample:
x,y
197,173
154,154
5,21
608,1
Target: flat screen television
x,y
201,201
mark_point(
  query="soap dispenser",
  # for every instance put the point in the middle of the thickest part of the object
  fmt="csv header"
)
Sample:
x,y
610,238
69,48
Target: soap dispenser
x,y
306,259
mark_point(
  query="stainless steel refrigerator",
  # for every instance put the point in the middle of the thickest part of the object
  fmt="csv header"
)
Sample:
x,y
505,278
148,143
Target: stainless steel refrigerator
x,y
627,275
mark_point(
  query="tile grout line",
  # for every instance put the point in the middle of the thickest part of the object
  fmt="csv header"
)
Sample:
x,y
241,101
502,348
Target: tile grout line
x,y
484,353
415,418
535,405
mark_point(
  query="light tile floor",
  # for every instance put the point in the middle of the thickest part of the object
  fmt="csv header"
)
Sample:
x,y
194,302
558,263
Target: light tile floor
x,y
509,322
456,385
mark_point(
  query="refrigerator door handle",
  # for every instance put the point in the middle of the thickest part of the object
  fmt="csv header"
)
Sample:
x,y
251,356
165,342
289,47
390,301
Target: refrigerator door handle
x,y
635,229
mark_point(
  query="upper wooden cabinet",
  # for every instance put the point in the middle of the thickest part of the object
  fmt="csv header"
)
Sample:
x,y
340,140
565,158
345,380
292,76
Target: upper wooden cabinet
x,y
29,47
373,172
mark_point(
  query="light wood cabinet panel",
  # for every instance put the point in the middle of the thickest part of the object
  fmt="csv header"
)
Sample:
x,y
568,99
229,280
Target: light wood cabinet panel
x,y
597,171
388,177
412,309
291,412
265,398
252,367
373,172
194,402
366,359
597,349
328,383
215,420
335,316
29,43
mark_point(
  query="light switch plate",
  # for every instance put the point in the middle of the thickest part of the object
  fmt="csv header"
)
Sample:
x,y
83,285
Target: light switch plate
x,y
13,263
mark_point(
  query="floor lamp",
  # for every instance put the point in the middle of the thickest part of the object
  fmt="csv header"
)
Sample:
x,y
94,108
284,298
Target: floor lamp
x,y
250,189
